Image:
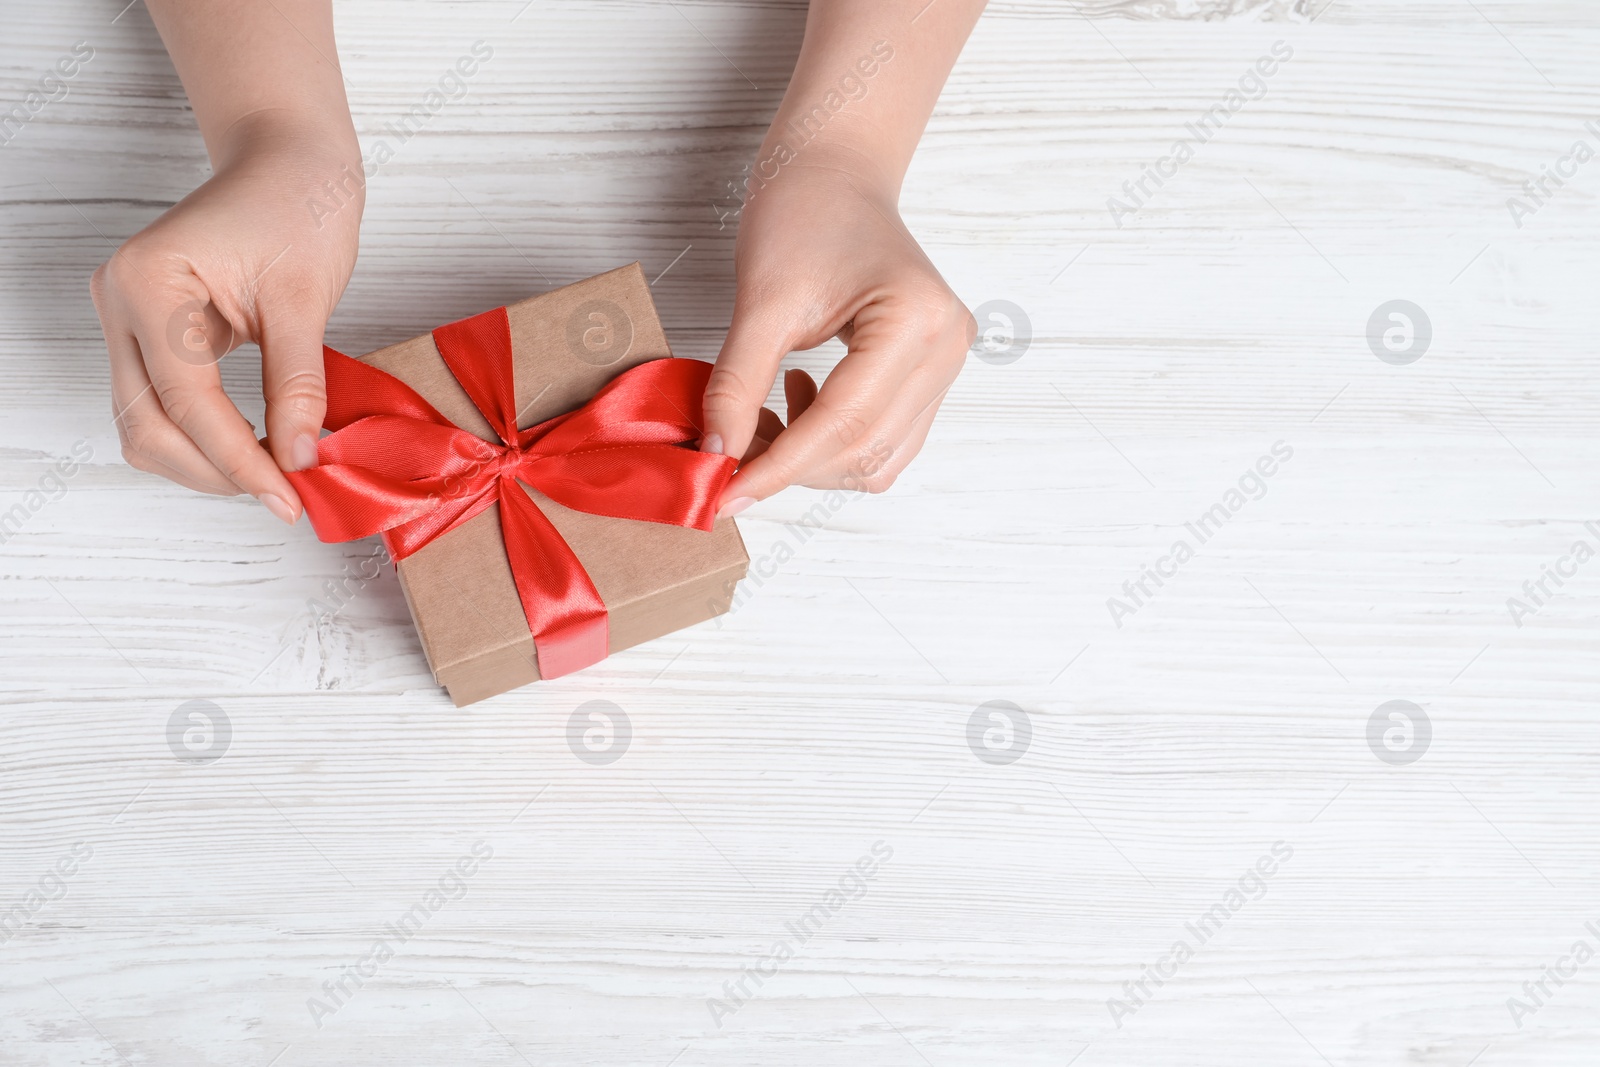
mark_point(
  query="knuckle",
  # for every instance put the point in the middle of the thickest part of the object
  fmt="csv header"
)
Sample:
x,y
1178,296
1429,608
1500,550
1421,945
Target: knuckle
x,y
134,438
98,282
134,431
180,400
874,467
946,321
302,397
879,481
872,474
965,324
142,440
120,270
844,426
133,457
941,316
725,389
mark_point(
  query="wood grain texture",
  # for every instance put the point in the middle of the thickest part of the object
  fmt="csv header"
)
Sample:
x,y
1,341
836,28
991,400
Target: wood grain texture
x,y
832,709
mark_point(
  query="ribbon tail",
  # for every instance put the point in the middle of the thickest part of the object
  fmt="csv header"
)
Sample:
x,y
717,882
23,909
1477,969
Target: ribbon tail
x,y
564,610
346,502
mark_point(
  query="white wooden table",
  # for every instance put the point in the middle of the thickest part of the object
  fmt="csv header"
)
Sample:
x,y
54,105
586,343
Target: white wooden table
x,y
1035,863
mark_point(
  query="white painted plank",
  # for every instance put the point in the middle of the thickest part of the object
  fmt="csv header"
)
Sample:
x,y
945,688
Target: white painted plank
x,y
832,710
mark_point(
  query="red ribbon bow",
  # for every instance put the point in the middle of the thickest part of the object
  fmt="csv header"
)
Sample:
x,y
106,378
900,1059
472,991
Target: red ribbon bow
x,y
394,465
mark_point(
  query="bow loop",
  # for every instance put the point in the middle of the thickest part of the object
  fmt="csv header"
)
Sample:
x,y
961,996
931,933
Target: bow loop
x,y
654,403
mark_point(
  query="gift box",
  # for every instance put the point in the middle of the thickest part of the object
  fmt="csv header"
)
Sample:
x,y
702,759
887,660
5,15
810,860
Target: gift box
x,y
534,472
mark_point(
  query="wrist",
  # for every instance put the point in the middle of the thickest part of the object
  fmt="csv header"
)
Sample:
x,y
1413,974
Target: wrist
x,y
286,132
844,109
848,152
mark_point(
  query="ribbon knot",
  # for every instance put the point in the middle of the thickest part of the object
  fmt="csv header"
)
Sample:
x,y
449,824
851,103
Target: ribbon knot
x,y
510,461
394,465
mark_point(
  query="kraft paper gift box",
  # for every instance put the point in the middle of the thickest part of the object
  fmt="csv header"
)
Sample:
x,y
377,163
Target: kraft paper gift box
x,y
653,578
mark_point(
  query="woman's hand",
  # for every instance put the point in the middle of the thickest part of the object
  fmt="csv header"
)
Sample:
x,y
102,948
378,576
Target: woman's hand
x,y
822,252
261,252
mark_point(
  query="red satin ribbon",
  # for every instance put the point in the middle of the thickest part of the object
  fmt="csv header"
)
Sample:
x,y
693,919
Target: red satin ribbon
x,y
394,465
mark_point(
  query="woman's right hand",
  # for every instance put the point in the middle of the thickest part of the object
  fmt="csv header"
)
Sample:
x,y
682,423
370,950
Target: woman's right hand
x,y
261,252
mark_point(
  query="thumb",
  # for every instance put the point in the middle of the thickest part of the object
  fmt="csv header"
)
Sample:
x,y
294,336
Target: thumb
x,y
756,343
294,384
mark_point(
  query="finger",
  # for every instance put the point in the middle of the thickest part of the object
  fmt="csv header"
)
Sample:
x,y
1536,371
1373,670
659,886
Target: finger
x,y
293,382
799,392
873,469
151,465
768,427
190,391
866,385
898,367
756,343
150,440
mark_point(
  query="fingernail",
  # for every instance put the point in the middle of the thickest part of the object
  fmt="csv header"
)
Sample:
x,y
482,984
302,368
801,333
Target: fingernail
x,y
734,506
278,506
303,453
711,442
